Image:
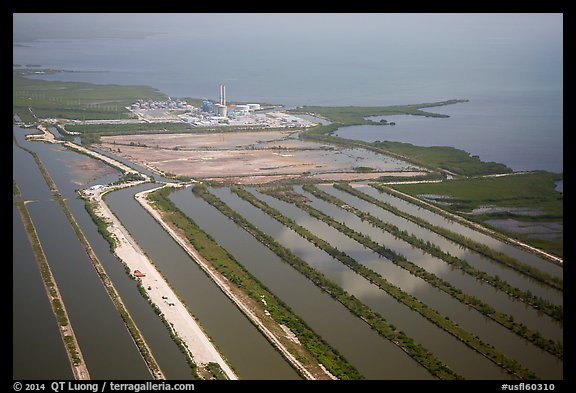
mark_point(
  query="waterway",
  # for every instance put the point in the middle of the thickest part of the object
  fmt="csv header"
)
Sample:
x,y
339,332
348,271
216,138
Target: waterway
x,y
68,170
137,167
34,355
501,301
373,356
454,353
65,165
515,112
510,275
436,219
505,341
521,313
249,353
107,347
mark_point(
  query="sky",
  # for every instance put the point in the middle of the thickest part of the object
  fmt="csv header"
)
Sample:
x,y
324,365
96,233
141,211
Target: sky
x,y
475,27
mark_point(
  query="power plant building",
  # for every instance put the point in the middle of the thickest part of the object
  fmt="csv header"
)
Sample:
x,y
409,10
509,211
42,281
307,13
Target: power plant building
x,y
221,110
242,109
207,106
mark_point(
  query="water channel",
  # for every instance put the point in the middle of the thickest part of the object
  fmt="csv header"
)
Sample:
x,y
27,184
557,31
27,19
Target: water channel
x,y
34,355
471,320
508,274
498,299
505,341
107,347
249,353
101,332
69,171
373,356
171,361
459,357
436,219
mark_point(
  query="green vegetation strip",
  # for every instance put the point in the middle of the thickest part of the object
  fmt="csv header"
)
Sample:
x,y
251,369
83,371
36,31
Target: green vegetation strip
x,y
102,224
58,309
448,158
356,114
15,189
111,290
229,267
505,320
107,129
497,256
534,191
412,302
45,271
375,320
550,309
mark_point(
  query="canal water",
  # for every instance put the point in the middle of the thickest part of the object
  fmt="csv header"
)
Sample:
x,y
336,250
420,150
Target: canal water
x,y
249,353
373,356
35,355
107,347
64,164
260,363
505,273
68,170
137,167
436,219
505,341
445,303
501,301
456,355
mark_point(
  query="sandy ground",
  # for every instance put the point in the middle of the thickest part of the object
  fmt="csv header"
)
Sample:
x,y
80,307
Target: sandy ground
x,y
214,140
161,294
266,162
243,154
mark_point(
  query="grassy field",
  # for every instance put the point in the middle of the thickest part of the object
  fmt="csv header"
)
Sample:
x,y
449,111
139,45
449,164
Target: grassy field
x,y
528,190
131,128
348,115
445,157
75,100
534,191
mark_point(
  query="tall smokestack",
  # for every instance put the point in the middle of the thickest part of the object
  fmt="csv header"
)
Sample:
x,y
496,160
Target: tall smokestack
x,y
222,95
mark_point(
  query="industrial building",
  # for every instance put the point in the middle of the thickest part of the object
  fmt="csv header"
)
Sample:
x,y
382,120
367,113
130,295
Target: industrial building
x,y
223,110
214,114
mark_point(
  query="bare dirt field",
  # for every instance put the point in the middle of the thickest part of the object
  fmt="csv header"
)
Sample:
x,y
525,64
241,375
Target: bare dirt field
x,y
250,154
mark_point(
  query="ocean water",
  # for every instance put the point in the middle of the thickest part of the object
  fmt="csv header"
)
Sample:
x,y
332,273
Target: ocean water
x,y
508,65
510,129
